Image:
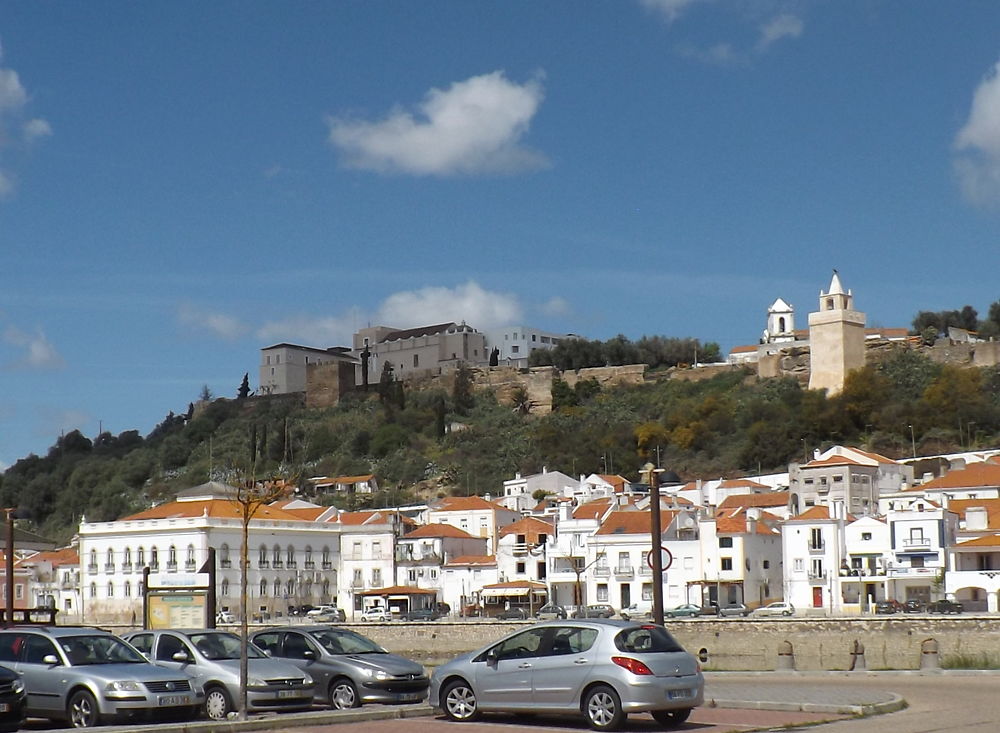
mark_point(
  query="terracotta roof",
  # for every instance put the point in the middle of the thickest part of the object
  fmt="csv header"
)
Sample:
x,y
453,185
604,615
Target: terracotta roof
x,y
743,349
397,590
592,509
465,504
530,527
815,512
62,556
973,476
736,523
438,530
215,508
615,481
992,507
308,514
992,540
739,483
526,584
356,519
771,498
834,461
874,456
633,522
472,560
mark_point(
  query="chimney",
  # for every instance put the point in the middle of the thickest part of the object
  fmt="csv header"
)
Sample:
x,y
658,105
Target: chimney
x,y
976,518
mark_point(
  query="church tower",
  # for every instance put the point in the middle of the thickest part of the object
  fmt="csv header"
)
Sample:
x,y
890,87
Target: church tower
x,y
780,322
836,339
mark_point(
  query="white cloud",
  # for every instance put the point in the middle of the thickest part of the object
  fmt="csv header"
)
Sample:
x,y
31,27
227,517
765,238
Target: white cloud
x,y
669,9
479,308
12,93
977,163
318,331
556,307
721,54
37,352
35,129
474,126
224,326
781,26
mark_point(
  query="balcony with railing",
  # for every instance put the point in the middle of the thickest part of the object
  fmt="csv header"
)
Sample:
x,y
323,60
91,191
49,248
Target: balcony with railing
x,y
126,568
171,566
109,568
816,548
263,564
623,571
913,544
520,549
190,566
292,564
277,564
817,576
309,565
225,563
602,571
92,568
327,565
357,583
645,571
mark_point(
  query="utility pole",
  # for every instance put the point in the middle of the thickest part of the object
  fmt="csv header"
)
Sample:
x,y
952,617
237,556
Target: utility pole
x,y
655,532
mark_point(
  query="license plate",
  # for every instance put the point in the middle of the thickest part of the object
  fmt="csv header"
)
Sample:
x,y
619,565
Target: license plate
x,y
284,694
677,694
175,700
412,697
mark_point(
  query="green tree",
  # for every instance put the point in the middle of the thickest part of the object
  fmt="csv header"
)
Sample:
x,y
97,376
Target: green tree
x,y
461,392
244,391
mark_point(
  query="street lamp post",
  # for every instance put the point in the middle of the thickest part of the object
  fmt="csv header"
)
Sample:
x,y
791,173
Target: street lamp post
x,y
655,532
913,441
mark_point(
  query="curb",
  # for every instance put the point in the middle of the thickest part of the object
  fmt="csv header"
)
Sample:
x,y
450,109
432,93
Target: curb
x,y
861,711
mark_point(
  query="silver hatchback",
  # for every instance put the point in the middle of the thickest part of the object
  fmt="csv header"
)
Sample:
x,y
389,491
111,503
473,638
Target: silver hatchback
x,y
349,669
212,658
602,668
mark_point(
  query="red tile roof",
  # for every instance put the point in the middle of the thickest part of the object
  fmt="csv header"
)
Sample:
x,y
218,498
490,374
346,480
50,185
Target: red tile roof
x,y
530,527
472,560
992,540
466,504
592,509
973,476
438,530
771,498
215,508
633,522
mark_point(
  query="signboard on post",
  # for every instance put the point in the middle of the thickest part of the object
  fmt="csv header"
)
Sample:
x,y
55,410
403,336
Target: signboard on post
x,y
666,559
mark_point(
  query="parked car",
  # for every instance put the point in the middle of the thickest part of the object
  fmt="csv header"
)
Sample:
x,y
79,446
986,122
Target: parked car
x,y
637,610
550,611
914,606
326,614
689,610
88,676
733,609
514,613
944,606
709,609
13,700
778,608
595,610
420,614
212,658
349,669
601,668
225,617
888,606
376,613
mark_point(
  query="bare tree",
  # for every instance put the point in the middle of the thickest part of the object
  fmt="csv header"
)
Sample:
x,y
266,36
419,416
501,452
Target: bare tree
x,y
251,493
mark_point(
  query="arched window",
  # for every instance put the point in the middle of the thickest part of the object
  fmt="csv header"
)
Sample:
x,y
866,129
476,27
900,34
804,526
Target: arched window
x,y
128,589
225,587
111,589
224,556
140,557
326,558
109,561
276,557
93,561
190,555
290,556
277,588
289,587
93,590
172,556
263,588
154,558
326,589
127,556
309,557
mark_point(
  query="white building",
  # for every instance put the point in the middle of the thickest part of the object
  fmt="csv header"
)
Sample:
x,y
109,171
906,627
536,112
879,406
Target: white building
x,y
473,514
283,367
514,344
518,492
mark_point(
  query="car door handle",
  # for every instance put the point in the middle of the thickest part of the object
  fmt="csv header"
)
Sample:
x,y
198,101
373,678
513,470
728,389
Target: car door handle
x,y
526,665
580,661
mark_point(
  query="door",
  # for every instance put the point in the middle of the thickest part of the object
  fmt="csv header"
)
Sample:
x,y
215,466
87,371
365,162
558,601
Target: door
x,y
169,644
298,650
560,674
626,595
45,688
817,597
504,679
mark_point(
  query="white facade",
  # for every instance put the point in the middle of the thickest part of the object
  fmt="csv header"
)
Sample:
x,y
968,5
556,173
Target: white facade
x,y
515,343
283,367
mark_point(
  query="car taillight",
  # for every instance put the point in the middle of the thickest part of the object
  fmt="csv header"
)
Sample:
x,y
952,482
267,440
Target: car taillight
x,y
632,665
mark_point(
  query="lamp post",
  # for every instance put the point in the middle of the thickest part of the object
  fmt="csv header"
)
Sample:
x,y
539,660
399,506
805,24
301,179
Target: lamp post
x,y
913,441
655,532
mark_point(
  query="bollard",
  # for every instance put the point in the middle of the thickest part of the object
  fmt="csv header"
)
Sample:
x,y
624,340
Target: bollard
x,y
929,654
786,657
858,656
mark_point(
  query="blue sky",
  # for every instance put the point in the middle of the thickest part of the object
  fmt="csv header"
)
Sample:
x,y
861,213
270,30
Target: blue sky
x,y
183,183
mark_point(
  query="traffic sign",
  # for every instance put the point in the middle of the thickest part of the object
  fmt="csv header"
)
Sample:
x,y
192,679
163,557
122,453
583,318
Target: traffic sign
x,y
666,559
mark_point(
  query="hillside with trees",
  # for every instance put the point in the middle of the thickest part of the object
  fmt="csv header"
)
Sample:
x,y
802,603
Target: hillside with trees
x,y
430,442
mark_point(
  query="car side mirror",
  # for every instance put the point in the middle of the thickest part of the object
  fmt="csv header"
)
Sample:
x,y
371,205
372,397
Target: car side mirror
x,y
309,654
180,657
492,657
50,659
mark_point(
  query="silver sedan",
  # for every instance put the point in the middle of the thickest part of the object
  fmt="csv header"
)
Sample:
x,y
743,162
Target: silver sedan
x,y
603,668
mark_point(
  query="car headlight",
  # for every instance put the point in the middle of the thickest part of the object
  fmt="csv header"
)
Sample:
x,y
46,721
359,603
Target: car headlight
x,y
306,679
123,686
17,687
256,682
380,675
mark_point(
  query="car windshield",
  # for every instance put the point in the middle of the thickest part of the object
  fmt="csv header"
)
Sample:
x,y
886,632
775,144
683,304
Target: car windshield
x,y
649,638
338,641
99,649
222,645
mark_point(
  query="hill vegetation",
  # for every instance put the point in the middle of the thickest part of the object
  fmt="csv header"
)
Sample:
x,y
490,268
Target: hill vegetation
x,y
426,443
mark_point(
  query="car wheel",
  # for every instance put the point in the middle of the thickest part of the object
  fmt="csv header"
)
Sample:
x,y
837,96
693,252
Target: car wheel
x,y
603,708
344,695
82,710
458,700
625,617
671,718
786,613
217,703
